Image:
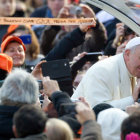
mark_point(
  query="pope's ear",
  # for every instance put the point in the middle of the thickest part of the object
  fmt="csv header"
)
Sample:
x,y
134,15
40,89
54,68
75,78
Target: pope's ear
x,y
126,54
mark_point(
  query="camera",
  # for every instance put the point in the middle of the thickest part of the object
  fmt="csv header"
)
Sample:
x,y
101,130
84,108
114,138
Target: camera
x,y
75,10
68,108
40,84
59,70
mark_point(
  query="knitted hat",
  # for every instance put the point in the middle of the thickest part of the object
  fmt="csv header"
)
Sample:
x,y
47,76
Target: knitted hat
x,y
133,42
6,62
10,39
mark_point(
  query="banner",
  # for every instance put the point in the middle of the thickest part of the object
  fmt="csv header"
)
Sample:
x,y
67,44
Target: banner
x,y
46,21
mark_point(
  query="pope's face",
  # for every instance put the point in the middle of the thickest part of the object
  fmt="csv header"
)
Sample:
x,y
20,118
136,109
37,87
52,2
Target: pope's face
x,y
133,61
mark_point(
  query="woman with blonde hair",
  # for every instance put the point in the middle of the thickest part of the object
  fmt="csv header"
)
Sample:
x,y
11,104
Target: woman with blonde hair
x,y
58,130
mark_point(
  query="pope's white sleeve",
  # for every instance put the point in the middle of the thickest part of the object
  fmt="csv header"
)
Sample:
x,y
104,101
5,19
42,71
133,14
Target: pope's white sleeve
x,y
122,103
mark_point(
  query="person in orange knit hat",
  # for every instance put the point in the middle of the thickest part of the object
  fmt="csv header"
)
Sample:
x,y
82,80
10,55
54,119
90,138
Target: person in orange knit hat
x,y
6,65
6,62
30,40
15,48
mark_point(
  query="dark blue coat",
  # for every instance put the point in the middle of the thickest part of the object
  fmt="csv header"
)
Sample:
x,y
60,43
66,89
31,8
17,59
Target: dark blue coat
x,y
6,116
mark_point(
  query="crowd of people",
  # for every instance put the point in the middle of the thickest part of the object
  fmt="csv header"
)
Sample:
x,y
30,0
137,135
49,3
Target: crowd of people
x,y
95,96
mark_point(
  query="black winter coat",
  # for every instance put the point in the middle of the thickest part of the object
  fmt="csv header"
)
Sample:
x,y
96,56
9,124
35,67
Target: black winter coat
x,y
6,116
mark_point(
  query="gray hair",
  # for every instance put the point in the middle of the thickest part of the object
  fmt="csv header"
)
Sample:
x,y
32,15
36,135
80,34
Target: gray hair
x,y
19,86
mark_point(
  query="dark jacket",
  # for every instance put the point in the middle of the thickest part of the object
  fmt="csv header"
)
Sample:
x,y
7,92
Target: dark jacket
x,y
70,41
40,12
3,31
43,12
94,42
41,136
6,116
109,50
91,130
59,98
110,26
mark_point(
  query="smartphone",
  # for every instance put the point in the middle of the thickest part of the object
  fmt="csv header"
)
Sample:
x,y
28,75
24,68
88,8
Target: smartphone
x,y
40,84
56,69
59,70
75,100
26,39
75,10
68,108
93,56
95,53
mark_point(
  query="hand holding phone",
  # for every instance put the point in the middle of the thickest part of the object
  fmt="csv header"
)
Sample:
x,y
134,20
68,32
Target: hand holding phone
x,y
68,108
56,69
59,70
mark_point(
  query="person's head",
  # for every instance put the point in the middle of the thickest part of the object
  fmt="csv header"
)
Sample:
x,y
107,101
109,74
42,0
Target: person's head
x,y
55,6
110,121
71,11
128,33
6,65
132,56
7,8
78,11
100,107
58,129
29,120
19,87
131,124
14,47
32,49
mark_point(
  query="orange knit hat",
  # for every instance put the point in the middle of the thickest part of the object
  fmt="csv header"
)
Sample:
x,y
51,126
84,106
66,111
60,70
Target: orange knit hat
x,y
8,40
6,62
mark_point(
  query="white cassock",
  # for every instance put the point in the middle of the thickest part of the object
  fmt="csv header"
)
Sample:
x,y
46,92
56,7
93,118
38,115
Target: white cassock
x,y
107,81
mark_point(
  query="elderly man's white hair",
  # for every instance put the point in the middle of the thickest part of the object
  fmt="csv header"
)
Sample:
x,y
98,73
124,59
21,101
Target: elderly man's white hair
x,y
133,43
19,86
